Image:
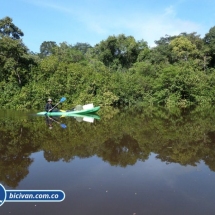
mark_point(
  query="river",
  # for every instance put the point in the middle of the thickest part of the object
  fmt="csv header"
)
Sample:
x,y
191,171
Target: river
x,y
149,161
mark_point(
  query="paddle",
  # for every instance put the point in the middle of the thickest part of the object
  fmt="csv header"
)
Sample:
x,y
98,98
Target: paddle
x,y
61,100
62,125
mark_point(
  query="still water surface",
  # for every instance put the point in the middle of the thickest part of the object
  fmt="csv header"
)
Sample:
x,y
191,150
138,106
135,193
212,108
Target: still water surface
x,y
153,162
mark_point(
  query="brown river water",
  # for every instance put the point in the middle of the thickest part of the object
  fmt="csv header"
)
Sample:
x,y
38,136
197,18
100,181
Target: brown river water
x,y
151,161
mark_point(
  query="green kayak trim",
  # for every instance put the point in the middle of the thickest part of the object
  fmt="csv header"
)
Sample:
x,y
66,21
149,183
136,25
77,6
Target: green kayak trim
x,y
70,113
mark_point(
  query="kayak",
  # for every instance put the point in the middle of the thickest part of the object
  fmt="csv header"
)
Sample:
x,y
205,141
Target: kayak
x,y
70,113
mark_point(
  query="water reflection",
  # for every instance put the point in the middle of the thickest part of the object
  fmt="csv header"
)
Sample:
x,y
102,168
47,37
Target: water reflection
x,y
14,169
122,151
185,138
50,120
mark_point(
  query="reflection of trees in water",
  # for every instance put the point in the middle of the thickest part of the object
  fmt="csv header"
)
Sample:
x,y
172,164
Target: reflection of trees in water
x,y
15,148
210,161
121,151
51,156
13,170
209,158
122,140
174,136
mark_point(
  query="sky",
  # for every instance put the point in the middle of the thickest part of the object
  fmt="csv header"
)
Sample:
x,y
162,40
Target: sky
x,y
91,21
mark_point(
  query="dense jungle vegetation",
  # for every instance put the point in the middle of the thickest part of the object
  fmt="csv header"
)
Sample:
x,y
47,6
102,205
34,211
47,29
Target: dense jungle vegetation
x,y
178,71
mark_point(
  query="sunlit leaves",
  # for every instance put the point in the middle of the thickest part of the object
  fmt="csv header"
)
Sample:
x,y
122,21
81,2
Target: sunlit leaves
x,y
182,48
49,65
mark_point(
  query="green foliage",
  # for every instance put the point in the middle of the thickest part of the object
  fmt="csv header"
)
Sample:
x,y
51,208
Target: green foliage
x,y
66,53
8,29
48,66
46,48
209,41
183,49
179,71
83,47
118,52
181,85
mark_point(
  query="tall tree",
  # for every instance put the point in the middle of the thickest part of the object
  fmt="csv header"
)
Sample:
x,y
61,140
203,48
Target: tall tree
x,y
83,47
7,28
14,57
118,52
162,52
46,48
182,48
67,53
209,41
